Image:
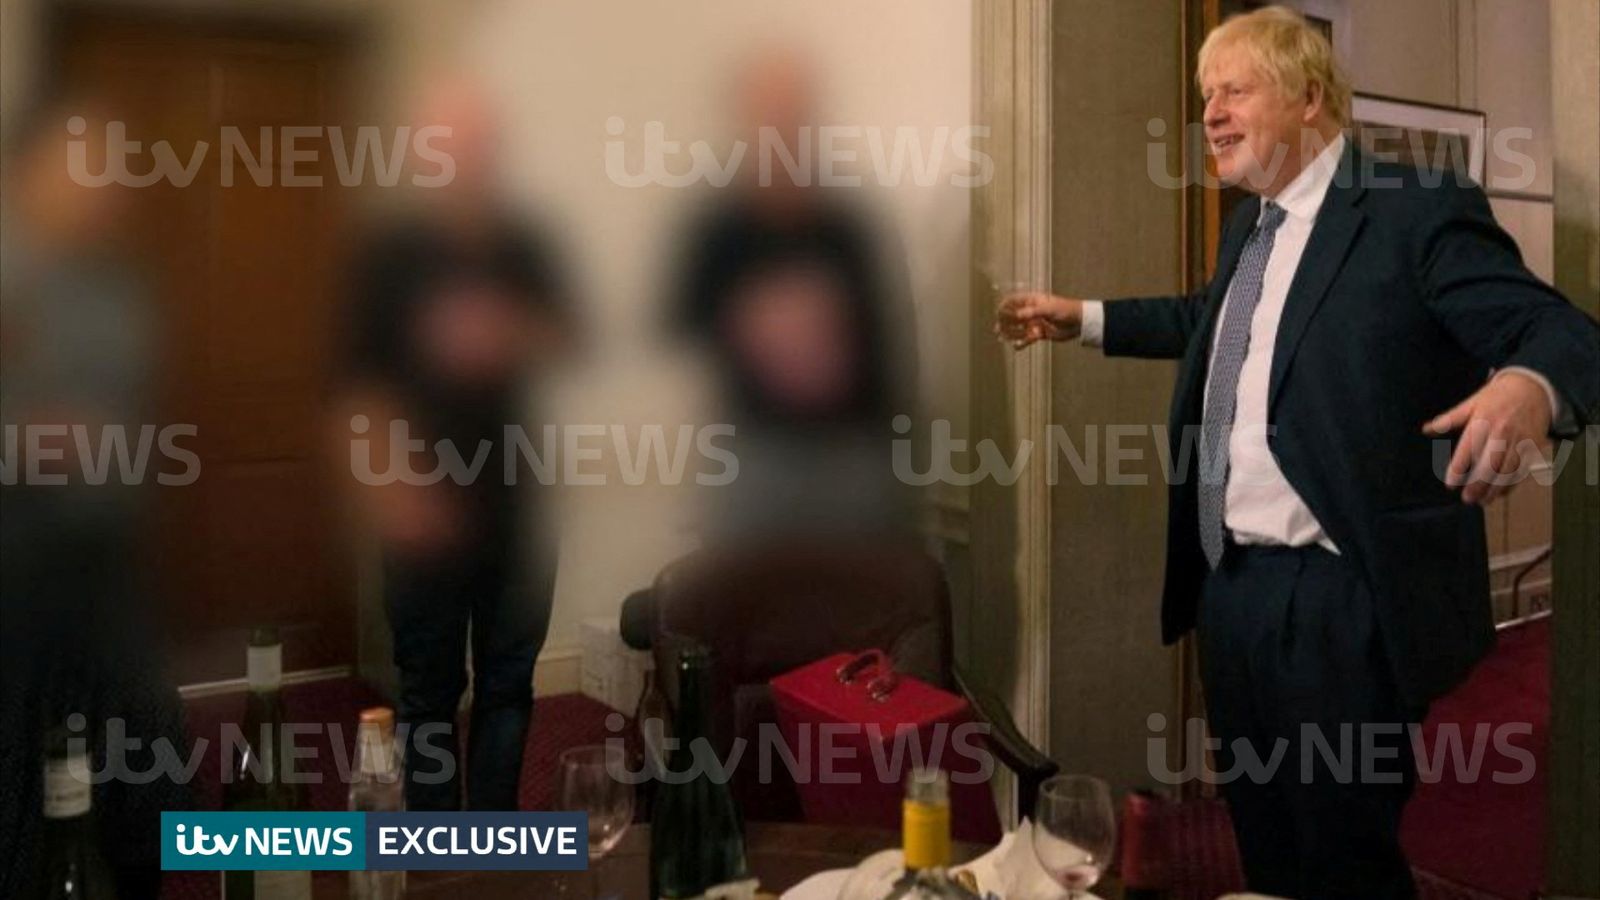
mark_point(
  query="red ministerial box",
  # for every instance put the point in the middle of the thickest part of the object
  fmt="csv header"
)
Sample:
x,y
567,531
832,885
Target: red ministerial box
x,y
853,752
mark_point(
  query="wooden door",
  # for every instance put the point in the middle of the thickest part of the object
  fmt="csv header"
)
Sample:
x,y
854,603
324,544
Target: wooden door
x,y
245,279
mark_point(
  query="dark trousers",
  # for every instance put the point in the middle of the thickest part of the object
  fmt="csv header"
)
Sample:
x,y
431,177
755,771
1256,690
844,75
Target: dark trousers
x,y
504,605
1293,665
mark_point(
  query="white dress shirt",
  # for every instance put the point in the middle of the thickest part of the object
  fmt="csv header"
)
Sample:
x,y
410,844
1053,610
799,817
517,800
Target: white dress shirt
x,y
1260,506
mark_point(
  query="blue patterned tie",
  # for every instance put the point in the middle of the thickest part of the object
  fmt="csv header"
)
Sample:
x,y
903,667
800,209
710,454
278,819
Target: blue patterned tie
x,y
1222,387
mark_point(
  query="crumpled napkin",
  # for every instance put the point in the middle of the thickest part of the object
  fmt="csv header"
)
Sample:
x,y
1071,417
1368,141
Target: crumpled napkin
x,y
1011,871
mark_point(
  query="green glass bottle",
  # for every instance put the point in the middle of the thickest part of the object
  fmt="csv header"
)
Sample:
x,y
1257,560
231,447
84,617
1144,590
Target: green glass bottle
x,y
73,866
262,774
696,837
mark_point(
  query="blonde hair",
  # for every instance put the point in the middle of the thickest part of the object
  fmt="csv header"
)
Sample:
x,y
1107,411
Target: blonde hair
x,y
1288,50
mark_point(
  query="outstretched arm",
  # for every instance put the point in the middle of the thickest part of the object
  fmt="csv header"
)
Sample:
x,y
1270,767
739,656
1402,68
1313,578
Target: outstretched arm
x,y
1546,351
1152,327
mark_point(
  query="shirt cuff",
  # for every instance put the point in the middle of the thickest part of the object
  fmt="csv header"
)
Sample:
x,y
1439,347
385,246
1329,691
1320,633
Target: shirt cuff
x,y
1560,415
1092,328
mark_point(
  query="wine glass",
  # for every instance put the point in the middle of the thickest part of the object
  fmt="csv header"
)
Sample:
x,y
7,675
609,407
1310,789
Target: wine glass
x,y
1075,831
589,784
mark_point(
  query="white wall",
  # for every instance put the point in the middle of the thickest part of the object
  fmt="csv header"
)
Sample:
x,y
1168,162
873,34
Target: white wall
x,y
1508,43
1405,49
562,69
1490,55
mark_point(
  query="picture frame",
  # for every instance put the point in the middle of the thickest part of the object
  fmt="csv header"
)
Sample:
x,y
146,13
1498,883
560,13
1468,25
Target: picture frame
x,y
1425,135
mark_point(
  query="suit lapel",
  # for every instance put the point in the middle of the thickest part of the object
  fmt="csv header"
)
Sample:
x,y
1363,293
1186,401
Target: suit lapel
x,y
1338,223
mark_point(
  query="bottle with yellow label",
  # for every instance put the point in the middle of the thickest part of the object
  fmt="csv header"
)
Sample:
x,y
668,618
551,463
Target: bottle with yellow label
x,y
926,835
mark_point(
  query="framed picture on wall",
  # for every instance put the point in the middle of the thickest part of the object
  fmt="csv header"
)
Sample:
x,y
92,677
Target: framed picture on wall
x,y
1436,138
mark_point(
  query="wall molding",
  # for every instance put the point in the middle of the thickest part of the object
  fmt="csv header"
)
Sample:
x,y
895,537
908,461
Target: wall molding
x,y
1009,529
557,671
1033,376
1521,196
240,685
947,515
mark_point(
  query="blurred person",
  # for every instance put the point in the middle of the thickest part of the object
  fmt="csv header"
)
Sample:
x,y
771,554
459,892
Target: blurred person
x,y
78,353
456,308
1336,581
801,307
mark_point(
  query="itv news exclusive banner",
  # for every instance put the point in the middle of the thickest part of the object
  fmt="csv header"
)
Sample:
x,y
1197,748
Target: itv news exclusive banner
x,y
419,841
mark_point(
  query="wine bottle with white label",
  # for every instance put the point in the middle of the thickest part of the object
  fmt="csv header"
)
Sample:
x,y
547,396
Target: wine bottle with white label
x,y
73,866
696,837
262,776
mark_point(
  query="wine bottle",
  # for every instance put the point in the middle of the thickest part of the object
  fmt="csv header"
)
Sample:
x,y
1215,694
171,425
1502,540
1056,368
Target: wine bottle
x,y
925,834
262,777
376,788
647,741
696,837
73,866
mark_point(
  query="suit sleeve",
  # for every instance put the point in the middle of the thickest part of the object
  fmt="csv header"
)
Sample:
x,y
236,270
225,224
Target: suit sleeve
x,y
1478,289
1152,327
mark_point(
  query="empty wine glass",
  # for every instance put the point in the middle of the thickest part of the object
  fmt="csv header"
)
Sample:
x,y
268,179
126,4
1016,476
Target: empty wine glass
x,y
589,784
1075,831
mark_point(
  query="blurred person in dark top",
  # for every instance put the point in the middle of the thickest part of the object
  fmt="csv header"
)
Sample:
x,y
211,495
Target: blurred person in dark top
x,y
456,309
78,351
801,301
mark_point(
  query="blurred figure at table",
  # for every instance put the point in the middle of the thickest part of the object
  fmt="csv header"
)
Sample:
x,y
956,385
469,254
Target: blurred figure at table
x,y
78,350
800,301
456,309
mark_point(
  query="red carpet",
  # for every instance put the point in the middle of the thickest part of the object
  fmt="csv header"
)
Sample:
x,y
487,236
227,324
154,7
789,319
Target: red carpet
x,y
1473,830
559,722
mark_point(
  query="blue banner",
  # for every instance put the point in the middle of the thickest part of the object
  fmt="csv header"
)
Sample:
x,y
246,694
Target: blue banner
x,y
265,841
478,841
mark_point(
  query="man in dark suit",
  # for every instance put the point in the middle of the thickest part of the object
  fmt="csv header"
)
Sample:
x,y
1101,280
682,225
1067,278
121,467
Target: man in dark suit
x,y
1337,581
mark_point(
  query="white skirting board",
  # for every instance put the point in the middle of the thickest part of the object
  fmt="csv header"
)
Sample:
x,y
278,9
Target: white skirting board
x,y
558,671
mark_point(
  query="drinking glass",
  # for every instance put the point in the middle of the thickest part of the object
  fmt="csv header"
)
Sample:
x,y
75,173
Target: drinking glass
x,y
1075,831
589,784
1002,288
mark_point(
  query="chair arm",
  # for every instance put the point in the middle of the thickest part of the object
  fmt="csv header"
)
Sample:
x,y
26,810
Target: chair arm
x,y
1031,765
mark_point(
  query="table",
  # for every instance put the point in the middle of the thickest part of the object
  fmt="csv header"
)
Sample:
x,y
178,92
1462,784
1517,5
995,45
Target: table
x,y
780,854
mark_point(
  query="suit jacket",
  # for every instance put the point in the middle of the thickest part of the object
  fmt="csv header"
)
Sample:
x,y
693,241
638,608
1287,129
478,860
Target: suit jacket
x,y
1407,296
